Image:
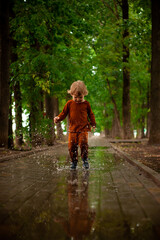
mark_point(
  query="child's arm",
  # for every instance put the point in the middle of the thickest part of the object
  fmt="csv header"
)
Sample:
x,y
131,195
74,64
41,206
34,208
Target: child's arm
x,y
91,117
62,115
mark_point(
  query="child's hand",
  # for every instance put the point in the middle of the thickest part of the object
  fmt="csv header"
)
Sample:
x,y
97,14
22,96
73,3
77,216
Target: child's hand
x,y
56,119
94,128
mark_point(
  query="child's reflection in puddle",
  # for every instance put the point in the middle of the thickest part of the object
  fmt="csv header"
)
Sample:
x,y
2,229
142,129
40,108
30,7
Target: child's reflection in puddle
x,y
81,217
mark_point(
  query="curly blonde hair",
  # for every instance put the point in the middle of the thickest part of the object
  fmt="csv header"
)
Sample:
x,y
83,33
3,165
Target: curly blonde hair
x,y
78,88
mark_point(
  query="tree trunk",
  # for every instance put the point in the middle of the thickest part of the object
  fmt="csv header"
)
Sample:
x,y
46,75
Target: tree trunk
x,y
148,114
154,137
106,131
116,121
126,74
142,120
138,133
58,125
4,72
116,128
32,124
49,103
18,114
36,115
142,127
10,131
42,101
17,99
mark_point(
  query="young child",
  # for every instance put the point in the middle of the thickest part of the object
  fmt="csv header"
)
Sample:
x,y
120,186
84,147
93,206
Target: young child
x,y
80,118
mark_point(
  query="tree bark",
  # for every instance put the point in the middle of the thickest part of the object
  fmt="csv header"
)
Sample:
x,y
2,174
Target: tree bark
x,y
49,103
10,130
126,74
18,114
4,72
116,131
116,121
106,132
18,100
34,118
142,127
154,137
106,129
148,114
32,123
36,115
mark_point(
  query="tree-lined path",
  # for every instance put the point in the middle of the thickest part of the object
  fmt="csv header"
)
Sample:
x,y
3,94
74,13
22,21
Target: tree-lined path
x,y
41,198
46,45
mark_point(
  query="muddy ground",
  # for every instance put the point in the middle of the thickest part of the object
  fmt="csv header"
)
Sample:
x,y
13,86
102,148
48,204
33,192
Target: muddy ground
x,y
147,154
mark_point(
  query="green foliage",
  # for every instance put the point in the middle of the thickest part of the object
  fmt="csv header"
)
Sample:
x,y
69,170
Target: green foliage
x,y
61,41
140,60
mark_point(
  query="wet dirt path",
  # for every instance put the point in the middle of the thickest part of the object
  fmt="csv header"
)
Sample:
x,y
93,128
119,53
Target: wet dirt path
x,y
41,198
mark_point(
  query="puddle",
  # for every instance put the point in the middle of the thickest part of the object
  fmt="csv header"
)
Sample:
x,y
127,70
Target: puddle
x,y
64,204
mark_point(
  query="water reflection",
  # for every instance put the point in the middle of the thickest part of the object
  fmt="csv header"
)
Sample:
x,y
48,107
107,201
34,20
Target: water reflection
x,y
80,215
47,201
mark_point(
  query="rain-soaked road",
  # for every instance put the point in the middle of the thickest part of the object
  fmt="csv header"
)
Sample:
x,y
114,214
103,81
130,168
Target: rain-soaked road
x,y
42,199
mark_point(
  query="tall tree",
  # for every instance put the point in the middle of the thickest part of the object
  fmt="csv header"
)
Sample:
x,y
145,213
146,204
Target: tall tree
x,y
10,130
126,73
155,75
18,114
4,71
116,127
123,61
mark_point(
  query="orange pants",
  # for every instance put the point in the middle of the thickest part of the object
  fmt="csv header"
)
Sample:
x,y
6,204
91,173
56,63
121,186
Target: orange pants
x,y
75,139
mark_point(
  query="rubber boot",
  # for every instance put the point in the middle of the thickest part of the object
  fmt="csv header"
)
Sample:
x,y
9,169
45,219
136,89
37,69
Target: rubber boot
x,y
85,163
73,165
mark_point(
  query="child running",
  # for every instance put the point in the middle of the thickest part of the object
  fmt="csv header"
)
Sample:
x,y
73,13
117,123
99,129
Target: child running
x,y
81,118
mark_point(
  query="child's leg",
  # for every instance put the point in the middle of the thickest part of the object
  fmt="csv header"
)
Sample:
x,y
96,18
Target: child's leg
x,y
83,143
73,146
